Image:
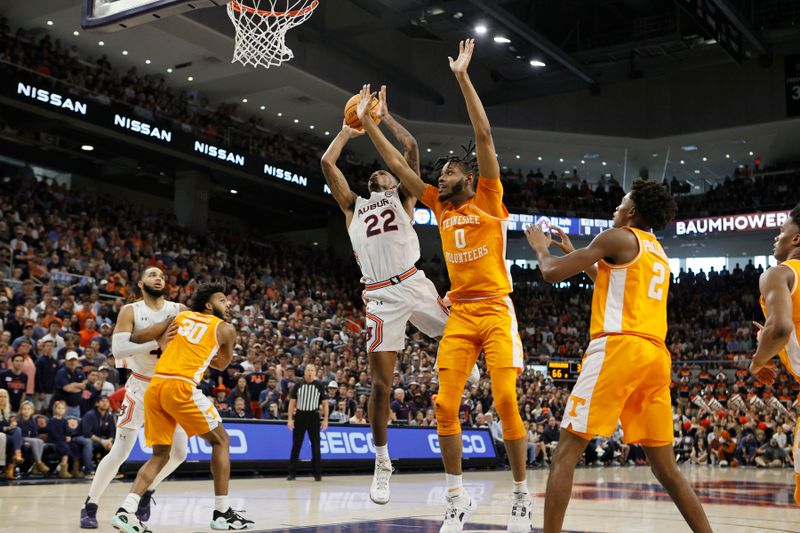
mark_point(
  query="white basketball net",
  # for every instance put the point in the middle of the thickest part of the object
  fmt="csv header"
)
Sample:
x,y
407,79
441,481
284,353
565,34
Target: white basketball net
x,y
261,27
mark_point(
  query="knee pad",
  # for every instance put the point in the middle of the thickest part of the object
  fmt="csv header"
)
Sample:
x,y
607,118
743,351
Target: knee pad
x,y
180,446
446,409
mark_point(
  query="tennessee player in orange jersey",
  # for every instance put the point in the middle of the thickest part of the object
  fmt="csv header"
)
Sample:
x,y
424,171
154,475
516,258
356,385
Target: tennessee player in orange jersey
x,y
780,300
194,341
472,221
626,369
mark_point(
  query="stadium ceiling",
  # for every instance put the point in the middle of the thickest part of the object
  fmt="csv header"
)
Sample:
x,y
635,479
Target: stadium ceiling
x,y
404,43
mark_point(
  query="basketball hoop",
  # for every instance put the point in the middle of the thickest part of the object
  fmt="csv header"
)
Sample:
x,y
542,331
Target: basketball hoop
x,y
261,27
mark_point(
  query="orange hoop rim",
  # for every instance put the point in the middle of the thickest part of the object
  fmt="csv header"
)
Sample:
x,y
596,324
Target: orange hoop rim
x,y
238,6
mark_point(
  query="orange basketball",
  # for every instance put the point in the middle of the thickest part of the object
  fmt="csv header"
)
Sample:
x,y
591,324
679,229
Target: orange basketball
x,y
351,117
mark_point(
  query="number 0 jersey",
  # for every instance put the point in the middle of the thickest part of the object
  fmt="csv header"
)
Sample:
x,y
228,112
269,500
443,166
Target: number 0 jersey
x,y
383,236
190,352
631,299
474,241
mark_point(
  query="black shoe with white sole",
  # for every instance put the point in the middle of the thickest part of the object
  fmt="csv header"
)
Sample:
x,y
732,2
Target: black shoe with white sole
x,y
230,520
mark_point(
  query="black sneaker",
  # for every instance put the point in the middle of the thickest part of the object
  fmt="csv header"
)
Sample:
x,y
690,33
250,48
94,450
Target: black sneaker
x,y
230,520
290,477
143,511
89,516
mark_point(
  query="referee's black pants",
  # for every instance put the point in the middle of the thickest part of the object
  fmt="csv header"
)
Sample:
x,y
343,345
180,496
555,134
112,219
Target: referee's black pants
x,y
306,422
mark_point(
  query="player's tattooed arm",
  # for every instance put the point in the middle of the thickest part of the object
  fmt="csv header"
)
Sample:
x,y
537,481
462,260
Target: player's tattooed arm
x,y
340,189
775,285
391,156
403,136
488,166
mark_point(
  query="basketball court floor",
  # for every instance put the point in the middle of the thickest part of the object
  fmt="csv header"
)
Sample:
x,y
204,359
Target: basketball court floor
x,y
621,499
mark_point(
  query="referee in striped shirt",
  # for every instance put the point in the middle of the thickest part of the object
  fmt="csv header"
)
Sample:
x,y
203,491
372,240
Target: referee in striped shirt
x,y
307,397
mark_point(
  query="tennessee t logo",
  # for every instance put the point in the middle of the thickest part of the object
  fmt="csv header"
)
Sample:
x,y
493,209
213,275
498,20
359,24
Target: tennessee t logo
x,y
575,403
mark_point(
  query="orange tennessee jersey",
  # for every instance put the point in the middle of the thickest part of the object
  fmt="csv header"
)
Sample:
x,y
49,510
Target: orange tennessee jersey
x,y
190,352
790,354
474,241
631,299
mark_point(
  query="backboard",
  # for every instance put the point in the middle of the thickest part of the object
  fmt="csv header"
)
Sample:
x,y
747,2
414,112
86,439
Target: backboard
x,y
114,15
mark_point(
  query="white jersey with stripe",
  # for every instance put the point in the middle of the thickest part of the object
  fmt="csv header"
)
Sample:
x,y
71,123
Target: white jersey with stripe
x,y
144,363
383,237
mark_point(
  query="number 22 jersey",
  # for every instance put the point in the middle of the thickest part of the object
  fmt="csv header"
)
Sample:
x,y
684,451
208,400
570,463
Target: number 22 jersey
x,y
383,236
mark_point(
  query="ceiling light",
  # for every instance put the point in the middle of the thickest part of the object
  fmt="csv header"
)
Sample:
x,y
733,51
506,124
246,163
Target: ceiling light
x,y
560,159
751,153
682,161
428,150
540,158
654,154
190,78
263,107
49,22
169,71
244,100
473,153
502,40
327,133
689,148
697,171
315,243
705,158
451,151
147,61
583,162
87,147
537,63
604,163
76,33
727,156
234,191
457,15
101,43
280,114
480,29
124,52
311,127
297,121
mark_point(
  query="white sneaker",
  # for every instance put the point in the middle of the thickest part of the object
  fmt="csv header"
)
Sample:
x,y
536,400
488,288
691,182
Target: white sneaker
x,y
128,523
379,490
521,510
474,376
458,509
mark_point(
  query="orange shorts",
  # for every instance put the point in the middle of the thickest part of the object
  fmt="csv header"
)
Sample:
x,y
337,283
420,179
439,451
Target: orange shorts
x,y
623,378
169,402
483,325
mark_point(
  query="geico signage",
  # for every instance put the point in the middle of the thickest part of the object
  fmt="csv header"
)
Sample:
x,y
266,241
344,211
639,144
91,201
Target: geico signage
x,y
731,223
143,128
470,443
197,445
346,442
54,99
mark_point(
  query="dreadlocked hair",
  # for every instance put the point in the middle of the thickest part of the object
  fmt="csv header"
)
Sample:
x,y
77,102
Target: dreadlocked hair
x,y
203,295
468,162
794,214
653,202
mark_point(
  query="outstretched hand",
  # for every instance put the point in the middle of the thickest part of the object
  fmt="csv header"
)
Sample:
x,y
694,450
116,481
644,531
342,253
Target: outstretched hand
x,y
383,107
537,238
365,103
352,133
465,48
564,243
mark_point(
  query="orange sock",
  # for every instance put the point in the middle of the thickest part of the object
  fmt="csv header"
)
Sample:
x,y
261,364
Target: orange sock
x,y
797,489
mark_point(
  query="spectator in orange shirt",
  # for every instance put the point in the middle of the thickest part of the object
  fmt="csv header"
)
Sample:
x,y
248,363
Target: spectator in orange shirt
x,y
83,314
89,332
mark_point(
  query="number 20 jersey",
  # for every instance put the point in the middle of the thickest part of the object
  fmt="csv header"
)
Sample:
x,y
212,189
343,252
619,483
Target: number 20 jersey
x,y
191,351
631,298
383,236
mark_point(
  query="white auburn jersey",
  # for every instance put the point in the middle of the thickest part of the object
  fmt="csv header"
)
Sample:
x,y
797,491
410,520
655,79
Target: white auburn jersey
x,y
383,236
143,317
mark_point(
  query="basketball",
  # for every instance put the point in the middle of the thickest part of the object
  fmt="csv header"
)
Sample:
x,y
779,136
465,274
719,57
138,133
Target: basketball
x,y
351,117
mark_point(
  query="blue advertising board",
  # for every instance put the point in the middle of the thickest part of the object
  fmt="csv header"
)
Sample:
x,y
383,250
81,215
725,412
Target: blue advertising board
x,y
264,441
518,222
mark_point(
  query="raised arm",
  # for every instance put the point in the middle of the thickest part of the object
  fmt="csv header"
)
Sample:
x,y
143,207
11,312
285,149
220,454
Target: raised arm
x,y
390,155
406,140
340,189
488,166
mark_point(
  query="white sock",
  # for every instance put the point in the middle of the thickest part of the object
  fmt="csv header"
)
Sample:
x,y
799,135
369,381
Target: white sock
x,y
454,484
382,452
131,502
221,503
521,486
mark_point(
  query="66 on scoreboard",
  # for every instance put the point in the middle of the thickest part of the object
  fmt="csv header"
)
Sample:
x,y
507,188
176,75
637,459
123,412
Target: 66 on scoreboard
x,y
564,371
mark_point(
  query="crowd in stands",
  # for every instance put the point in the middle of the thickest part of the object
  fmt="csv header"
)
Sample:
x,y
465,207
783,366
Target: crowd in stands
x,y
67,268
151,98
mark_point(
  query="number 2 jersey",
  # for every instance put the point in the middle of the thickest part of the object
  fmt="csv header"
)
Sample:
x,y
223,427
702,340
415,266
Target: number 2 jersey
x,y
188,355
631,298
474,241
383,236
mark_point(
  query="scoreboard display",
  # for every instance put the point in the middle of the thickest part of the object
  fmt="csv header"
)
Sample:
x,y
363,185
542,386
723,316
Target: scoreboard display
x,y
564,371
